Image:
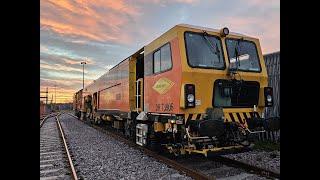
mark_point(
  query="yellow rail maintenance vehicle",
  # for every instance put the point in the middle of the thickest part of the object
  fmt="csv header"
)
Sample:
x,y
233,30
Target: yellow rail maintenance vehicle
x,y
191,90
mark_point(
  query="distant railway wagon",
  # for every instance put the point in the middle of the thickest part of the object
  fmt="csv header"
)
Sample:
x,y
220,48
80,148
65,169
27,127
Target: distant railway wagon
x,y
77,102
191,90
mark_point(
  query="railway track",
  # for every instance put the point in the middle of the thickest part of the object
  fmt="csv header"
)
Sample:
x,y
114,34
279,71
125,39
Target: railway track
x,y
247,167
43,118
192,171
55,158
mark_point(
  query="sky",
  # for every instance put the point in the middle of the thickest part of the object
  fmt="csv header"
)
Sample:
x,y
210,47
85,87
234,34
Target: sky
x,y
104,32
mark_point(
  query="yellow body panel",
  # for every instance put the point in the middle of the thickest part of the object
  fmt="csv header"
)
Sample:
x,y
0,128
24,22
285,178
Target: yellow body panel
x,y
132,83
132,79
164,38
203,79
214,149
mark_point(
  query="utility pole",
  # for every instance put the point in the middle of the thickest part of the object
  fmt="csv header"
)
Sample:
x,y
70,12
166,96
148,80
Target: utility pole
x,y
83,63
55,95
51,105
47,96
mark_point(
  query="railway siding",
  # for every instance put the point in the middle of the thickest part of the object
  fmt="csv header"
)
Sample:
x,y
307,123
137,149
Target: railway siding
x,y
53,163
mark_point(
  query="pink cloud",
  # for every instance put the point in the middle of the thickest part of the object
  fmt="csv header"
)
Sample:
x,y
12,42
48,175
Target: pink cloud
x,y
43,49
59,67
262,2
169,1
98,20
72,61
187,1
266,30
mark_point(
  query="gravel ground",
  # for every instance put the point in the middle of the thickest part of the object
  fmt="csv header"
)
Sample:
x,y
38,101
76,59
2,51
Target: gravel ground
x,y
262,159
98,156
217,169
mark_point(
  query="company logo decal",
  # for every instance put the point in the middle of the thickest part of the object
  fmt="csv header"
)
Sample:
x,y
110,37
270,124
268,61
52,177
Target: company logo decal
x,y
163,85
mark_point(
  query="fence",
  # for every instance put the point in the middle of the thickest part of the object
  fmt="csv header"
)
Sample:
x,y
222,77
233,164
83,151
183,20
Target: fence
x,y
272,62
273,67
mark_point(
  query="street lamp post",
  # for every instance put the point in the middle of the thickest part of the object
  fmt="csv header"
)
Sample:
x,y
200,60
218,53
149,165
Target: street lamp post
x,y
83,63
55,96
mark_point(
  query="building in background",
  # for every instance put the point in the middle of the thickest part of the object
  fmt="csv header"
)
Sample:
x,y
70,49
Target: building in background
x,y
48,108
42,108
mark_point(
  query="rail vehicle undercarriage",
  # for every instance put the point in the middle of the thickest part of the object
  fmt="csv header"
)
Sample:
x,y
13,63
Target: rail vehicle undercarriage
x,y
211,134
172,134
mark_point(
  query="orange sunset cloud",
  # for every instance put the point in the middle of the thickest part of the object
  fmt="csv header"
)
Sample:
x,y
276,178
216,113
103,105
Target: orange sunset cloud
x,y
104,32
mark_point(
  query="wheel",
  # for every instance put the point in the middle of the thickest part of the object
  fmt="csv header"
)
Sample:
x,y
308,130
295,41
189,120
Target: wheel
x,y
127,128
95,120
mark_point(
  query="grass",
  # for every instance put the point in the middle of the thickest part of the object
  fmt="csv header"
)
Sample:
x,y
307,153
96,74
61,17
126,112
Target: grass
x,y
266,146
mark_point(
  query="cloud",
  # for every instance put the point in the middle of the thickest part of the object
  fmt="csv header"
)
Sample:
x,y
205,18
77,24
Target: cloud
x,y
169,1
263,3
187,1
104,32
109,67
72,61
43,49
59,67
68,47
99,20
62,83
266,30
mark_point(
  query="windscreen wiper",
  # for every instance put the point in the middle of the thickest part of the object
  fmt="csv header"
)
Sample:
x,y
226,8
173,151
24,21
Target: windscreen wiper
x,y
215,50
237,54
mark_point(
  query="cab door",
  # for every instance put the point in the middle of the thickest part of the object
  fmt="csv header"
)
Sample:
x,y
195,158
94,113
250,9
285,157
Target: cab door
x,y
139,82
139,95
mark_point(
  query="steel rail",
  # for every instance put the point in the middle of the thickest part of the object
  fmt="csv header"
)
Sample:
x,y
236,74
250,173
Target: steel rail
x,y
45,117
74,174
192,173
245,166
42,121
181,168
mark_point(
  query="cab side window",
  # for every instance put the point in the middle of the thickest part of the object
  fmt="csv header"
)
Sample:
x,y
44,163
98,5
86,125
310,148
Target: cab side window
x,y
156,62
162,59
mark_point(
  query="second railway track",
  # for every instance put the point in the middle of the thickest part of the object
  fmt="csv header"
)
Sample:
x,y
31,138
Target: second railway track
x,y
55,158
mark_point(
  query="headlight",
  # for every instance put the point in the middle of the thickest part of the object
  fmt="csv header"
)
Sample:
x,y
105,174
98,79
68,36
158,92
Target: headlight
x,y
190,98
189,95
224,31
269,98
